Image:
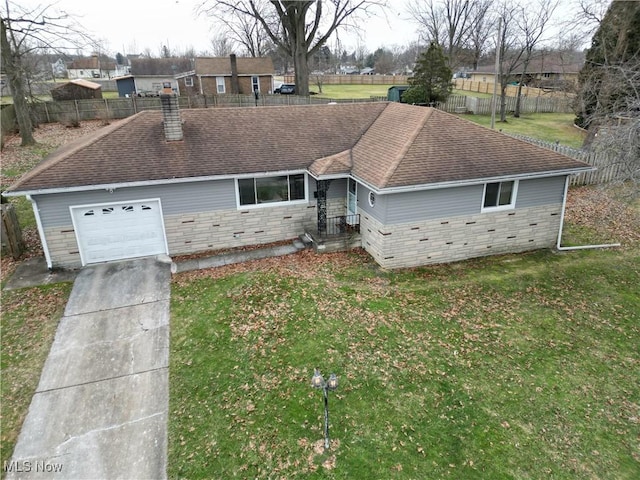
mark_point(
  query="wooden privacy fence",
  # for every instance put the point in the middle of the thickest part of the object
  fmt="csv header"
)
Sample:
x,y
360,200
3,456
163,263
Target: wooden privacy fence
x,y
10,233
115,108
608,169
482,106
512,90
331,79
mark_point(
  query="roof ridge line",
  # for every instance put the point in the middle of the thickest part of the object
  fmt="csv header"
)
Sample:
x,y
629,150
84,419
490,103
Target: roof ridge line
x,y
405,148
81,143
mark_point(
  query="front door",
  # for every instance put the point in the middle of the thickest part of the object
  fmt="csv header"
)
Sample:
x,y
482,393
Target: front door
x,y
352,201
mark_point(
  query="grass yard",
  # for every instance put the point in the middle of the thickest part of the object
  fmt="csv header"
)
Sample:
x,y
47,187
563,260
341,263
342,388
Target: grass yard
x,y
520,366
340,92
550,127
29,320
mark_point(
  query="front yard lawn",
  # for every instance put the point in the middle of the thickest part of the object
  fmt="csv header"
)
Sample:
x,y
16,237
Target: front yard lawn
x,y
520,366
550,127
29,320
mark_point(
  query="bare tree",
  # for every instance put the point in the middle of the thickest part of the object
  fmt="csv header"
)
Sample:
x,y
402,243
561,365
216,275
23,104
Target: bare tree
x,y
222,45
616,130
239,29
510,51
532,23
587,17
430,19
482,25
24,31
446,22
608,102
302,27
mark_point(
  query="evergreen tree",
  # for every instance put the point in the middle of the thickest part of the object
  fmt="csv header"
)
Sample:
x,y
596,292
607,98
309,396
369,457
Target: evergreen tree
x,y
432,78
607,81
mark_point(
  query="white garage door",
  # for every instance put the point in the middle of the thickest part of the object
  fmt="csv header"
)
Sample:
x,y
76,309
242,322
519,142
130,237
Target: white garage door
x,y
115,231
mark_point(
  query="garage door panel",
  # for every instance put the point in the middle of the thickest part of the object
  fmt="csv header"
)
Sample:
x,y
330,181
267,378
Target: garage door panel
x,y
120,230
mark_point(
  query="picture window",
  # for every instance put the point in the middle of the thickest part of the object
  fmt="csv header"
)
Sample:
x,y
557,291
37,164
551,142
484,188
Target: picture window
x,y
263,190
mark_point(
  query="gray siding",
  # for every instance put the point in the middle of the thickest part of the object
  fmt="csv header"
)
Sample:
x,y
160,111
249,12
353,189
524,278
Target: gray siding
x,y
379,209
176,198
428,205
424,205
338,188
540,191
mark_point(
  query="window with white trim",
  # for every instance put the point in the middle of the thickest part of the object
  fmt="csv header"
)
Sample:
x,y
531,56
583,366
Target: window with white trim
x,y
263,190
499,195
220,84
255,83
188,81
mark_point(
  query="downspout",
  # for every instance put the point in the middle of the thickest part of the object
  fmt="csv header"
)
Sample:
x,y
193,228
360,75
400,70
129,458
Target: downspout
x,y
580,247
45,247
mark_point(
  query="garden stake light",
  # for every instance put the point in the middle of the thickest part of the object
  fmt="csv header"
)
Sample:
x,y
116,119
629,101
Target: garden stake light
x,y
318,382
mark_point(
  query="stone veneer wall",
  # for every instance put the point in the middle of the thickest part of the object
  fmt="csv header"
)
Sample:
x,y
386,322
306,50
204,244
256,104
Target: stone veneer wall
x,y
336,207
63,247
197,232
459,238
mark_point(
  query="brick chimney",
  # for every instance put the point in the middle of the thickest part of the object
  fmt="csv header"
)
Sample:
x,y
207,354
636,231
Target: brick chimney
x,y
171,114
235,84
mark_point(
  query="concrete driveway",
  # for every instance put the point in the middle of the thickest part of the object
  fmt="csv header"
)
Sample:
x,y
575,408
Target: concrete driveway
x,y
101,408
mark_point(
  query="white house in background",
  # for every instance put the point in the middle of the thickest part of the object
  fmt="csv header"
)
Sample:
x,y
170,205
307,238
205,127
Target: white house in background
x,y
91,67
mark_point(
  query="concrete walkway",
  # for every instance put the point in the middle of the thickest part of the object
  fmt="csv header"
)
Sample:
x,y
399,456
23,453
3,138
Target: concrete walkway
x,y
101,408
238,257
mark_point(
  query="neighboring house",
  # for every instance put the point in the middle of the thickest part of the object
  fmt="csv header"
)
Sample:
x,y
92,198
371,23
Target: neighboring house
x,y
544,71
91,67
147,75
122,70
221,75
79,89
425,186
348,70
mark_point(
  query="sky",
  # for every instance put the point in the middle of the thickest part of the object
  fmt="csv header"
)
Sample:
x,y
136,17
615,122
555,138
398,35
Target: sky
x,y
133,26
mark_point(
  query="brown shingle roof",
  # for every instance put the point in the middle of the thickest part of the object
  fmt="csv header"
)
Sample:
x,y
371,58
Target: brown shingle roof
x,y
160,66
444,148
340,163
222,66
93,62
385,144
81,82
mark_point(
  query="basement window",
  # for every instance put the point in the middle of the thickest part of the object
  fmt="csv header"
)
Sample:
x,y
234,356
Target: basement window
x,y
269,190
499,196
